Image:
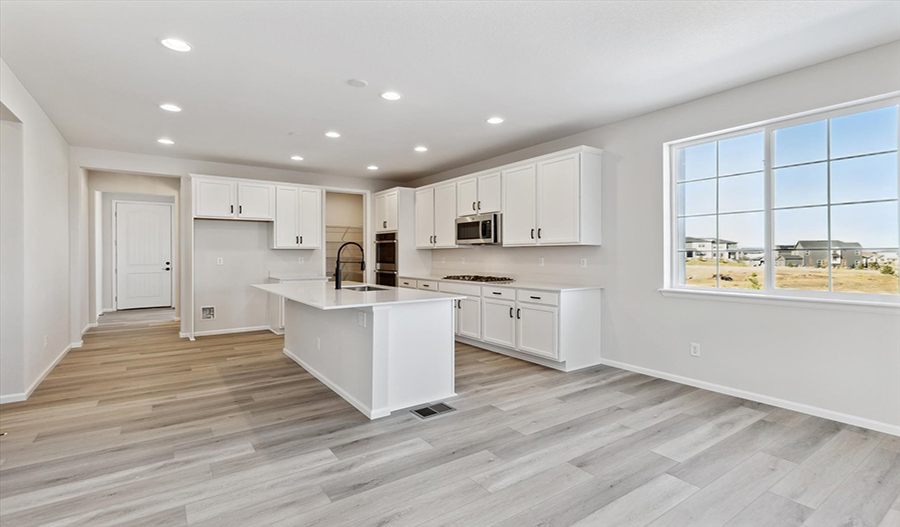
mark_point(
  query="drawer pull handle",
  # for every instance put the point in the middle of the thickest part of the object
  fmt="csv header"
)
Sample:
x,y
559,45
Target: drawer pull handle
x,y
496,292
536,297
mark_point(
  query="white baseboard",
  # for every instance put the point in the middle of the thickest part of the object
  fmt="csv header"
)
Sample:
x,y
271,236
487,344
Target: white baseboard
x,y
227,331
17,397
368,412
107,310
887,428
89,326
177,319
184,335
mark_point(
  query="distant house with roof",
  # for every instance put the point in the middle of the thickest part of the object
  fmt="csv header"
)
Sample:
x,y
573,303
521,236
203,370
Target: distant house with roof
x,y
815,253
708,247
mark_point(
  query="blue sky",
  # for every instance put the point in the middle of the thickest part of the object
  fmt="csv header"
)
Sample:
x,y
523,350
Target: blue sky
x,y
873,177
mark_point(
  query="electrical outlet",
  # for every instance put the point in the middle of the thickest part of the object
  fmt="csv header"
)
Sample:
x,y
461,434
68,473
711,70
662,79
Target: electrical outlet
x,y
220,261
300,260
361,319
318,343
443,259
462,259
695,349
540,262
584,262
45,341
208,313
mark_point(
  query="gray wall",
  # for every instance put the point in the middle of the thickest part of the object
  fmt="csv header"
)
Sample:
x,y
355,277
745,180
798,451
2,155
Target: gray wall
x,y
843,361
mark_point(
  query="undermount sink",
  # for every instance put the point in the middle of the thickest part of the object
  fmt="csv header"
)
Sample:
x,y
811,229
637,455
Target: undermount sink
x,y
364,288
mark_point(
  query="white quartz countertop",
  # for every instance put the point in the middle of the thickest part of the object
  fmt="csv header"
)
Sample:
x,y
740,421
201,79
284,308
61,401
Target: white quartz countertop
x,y
323,295
540,286
295,276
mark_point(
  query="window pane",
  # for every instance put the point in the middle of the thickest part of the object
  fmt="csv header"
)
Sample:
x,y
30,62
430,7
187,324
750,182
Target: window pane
x,y
863,271
806,278
800,225
741,231
867,224
864,178
802,185
741,154
698,197
864,133
741,270
698,270
697,162
801,144
739,193
697,234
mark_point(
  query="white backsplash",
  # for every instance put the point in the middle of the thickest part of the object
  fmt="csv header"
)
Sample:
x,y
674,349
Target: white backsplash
x,y
561,264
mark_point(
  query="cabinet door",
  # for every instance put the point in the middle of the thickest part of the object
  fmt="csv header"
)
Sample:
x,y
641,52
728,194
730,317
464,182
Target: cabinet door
x,y
519,191
287,210
214,198
391,213
256,201
489,193
310,218
445,216
537,327
558,200
498,322
467,198
425,218
381,213
468,318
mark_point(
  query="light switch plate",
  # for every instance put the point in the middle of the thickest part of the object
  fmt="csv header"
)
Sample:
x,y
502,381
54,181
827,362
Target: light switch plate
x,y
584,262
540,262
300,260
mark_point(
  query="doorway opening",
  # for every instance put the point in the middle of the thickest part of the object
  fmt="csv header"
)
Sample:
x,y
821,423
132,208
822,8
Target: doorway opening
x,y
344,222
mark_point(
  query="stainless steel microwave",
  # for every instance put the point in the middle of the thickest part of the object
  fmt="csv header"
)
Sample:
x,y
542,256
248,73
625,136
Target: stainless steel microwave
x,y
483,229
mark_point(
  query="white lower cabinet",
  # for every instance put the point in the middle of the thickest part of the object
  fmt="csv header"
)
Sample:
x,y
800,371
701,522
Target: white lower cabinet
x,y
537,329
499,322
468,317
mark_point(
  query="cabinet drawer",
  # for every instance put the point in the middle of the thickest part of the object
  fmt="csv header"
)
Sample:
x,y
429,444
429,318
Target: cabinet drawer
x,y
460,289
428,285
498,292
538,297
408,283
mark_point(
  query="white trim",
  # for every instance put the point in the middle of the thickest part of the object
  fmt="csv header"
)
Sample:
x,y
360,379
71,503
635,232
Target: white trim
x,y
177,319
359,405
115,248
89,326
228,331
185,335
884,308
879,426
108,310
516,354
17,397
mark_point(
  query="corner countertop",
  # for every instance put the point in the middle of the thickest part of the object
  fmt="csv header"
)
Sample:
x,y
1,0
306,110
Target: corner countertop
x,y
540,286
323,295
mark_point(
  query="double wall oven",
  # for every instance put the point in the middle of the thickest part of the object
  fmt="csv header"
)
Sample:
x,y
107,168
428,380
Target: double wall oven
x,y
386,259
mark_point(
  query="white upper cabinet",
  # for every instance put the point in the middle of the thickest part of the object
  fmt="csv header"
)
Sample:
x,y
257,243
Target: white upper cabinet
x,y
479,195
287,210
425,218
519,205
467,197
298,218
445,216
490,193
310,218
386,212
256,201
214,198
554,201
558,200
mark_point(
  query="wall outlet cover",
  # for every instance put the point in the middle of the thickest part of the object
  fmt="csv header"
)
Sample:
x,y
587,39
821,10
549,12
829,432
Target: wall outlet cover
x,y
300,260
541,262
584,262
695,349
220,261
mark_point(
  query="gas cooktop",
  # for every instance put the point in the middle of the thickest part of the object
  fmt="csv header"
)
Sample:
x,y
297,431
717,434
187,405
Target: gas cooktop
x,y
479,278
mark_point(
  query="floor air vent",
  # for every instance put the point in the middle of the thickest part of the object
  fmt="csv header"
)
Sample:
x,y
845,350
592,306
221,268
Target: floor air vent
x,y
432,410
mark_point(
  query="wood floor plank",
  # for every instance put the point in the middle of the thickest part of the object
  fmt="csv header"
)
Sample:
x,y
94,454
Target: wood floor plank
x,y
642,505
771,509
692,443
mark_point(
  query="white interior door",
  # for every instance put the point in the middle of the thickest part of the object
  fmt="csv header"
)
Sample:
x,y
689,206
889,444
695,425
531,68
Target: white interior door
x,y
143,255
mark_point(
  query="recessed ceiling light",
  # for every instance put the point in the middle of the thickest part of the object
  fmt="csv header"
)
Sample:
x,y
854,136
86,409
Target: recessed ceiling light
x,y
170,107
165,141
332,134
391,95
372,167
357,83
495,120
297,158
175,44
421,149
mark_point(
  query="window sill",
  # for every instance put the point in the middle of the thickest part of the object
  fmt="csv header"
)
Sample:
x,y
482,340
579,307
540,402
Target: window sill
x,y
888,307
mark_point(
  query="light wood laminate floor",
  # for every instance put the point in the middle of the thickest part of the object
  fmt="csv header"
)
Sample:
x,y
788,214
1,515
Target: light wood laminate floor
x,y
139,427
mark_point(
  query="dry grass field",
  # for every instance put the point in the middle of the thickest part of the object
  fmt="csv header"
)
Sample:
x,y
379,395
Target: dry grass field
x,y
703,274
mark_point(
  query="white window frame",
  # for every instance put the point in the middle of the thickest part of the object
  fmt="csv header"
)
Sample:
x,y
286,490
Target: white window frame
x,y
769,294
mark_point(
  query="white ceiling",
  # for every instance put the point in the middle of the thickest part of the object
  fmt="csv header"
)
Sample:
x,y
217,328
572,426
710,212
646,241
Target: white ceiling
x,y
262,69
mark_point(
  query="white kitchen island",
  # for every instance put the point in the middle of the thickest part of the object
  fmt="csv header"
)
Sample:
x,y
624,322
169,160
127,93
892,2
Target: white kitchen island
x,y
379,350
